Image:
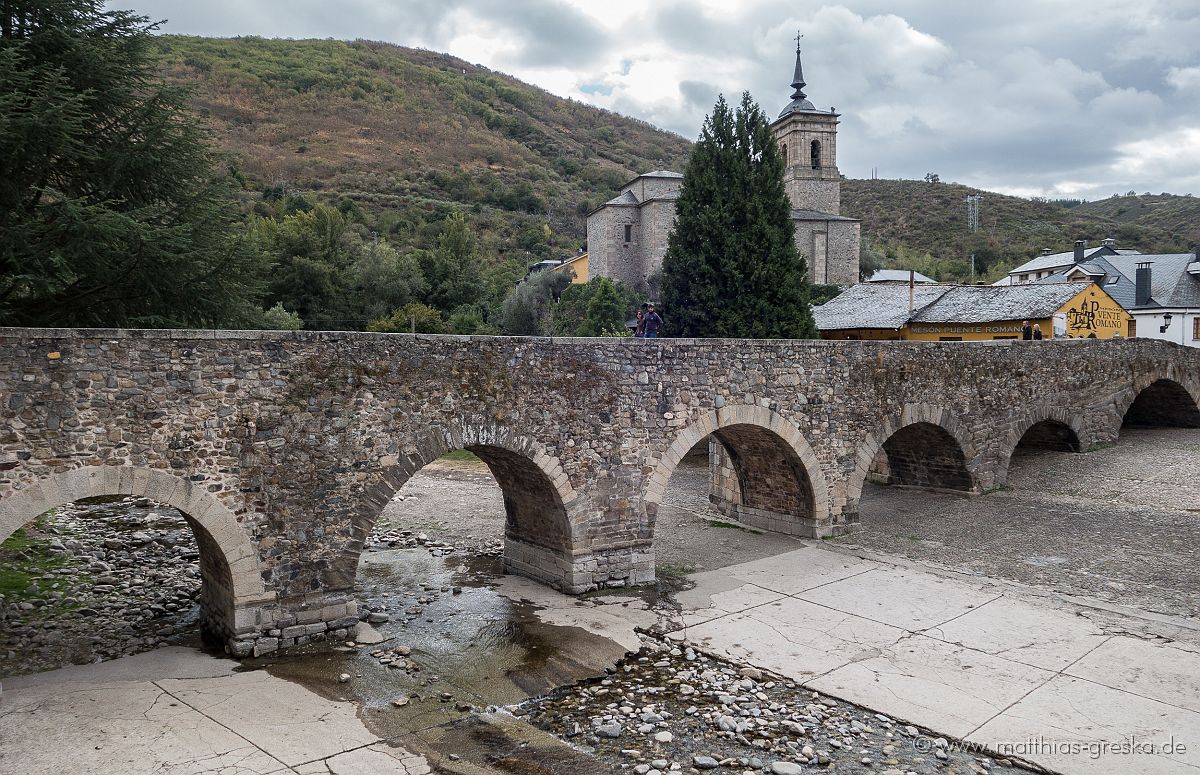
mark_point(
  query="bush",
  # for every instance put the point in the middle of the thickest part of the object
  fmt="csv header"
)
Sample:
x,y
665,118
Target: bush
x,y
411,318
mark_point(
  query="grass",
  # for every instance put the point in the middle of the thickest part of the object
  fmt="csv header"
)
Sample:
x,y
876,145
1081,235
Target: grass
x,y
23,558
672,570
722,523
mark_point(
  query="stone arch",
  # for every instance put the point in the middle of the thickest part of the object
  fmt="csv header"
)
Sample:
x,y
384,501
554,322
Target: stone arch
x,y
814,152
780,477
230,570
1049,428
542,522
1169,401
930,428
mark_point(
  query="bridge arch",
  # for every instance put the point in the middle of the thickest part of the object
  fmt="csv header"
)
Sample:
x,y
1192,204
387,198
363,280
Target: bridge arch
x,y
780,479
230,571
543,525
1049,428
924,446
1162,400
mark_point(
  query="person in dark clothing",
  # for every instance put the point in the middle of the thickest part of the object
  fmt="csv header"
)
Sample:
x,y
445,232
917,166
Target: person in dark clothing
x,y
640,330
652,323
1026,330
1037,331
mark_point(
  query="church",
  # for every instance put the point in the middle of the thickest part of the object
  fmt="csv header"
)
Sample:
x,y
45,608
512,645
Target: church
x,y
627,236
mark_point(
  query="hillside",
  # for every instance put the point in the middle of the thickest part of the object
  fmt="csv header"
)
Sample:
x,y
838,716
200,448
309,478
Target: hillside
x,y
901,217
399,138
1178,215
410,135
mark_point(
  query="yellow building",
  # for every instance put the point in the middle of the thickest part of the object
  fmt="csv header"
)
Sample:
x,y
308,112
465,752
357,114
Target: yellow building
x,y
578,265
971,313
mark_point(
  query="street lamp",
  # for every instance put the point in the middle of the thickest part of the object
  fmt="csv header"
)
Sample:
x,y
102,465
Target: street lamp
x,y
1166,323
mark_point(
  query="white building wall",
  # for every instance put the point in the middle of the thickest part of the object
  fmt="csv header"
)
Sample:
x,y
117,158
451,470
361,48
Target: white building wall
x,y
1180,331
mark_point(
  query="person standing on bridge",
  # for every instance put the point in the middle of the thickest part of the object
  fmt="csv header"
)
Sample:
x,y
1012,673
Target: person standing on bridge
x,y
652,323
1037,331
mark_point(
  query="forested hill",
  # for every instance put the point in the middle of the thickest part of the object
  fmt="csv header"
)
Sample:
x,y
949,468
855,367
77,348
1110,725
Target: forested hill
x,y
906,219
399,138
411,135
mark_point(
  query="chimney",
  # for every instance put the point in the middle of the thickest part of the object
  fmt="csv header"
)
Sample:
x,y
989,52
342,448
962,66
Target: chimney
x,y
1046,251
1141,294
1109,242
1080,246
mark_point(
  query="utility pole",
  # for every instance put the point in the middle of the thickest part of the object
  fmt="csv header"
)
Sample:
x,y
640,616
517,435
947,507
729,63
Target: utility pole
x,y
972,267
973,211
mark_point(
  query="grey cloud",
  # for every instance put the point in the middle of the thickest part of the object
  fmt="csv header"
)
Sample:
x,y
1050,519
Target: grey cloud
x,y
698,95
1026,94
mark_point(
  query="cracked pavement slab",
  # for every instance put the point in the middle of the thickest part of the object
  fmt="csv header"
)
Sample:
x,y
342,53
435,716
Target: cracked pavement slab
x,y
136,715
981,662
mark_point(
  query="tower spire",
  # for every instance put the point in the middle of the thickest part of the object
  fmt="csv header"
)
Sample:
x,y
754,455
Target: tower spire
x,y
798,77
799,103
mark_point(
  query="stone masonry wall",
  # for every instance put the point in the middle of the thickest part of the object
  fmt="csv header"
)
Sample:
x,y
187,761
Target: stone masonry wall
x,y
284,447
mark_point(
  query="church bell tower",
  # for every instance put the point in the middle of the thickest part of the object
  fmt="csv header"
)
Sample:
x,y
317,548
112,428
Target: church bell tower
x,y
807,138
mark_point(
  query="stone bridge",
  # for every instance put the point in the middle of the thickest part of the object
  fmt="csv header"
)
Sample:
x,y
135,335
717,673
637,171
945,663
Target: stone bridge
x,y
282,448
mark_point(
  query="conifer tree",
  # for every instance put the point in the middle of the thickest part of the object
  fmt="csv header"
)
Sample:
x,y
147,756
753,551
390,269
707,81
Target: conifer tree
x,y
731,267
605,312
113,209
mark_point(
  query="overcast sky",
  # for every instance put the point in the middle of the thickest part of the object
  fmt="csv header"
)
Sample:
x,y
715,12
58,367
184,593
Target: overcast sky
x,y
1034,97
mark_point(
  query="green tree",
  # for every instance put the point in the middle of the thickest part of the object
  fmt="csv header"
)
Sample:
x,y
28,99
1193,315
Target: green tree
x,y
113,209
279,319
731,267
411,318
526,308
452,269
605,313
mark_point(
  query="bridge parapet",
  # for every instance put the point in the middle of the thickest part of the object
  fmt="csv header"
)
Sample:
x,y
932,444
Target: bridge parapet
x,y
282,448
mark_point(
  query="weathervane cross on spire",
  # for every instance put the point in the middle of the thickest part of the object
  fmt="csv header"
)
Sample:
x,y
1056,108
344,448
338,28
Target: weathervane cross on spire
x,y
798,37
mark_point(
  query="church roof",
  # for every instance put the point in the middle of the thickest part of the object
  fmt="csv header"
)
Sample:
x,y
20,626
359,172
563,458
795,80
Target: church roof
x,y
660,174
627,198
800,102
817,215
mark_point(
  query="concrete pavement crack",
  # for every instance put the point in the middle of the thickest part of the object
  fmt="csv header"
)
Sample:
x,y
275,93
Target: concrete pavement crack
x,y
226,727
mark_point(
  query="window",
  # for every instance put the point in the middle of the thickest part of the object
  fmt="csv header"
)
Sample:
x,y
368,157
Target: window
x,y
783,150
814,152
1114,280
1132,329
1196,327
1024,278
628,233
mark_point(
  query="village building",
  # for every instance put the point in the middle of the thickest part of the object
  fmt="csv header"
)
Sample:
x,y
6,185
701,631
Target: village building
x,y
970,313
627,236
1048,263
900,276
1161,292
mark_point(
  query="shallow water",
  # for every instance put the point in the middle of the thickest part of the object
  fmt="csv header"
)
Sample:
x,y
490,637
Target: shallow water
x,y
474,648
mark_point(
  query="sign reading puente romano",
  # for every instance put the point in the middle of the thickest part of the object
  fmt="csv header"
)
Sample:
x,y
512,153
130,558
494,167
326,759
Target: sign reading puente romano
x,y
283,448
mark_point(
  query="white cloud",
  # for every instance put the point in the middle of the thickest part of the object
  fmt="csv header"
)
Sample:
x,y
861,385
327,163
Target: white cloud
x,y
1050,97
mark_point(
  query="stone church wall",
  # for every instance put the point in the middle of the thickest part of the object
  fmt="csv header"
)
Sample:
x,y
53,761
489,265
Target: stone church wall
x,y
609,255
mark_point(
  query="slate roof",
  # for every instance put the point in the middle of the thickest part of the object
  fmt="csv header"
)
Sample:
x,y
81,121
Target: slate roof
x,y
898,275
1171,285
626,198
874,306
989,303
1055,260
817,215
